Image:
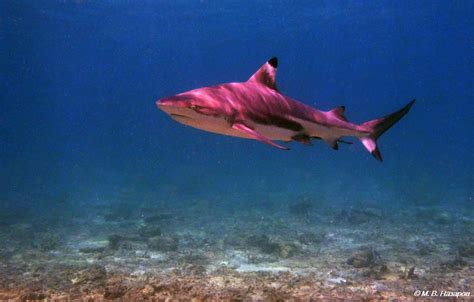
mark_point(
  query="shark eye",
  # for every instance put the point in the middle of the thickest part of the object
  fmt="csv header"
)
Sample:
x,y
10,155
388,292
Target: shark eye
x,y
203,110
195,107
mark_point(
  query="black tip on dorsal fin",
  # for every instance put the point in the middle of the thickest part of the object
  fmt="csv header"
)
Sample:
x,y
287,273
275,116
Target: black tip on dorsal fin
x,y
273,62
266,74
339,112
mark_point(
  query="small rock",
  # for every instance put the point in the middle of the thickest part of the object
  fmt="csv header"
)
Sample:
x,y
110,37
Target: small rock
x,y
192,269
158,218
257,240
114,241
157,256
457,263
93,246
338,280
288,250
311,238
148,290
442,218
148,231
138,273
466,248
424,248
270,248
379,287
302,207
163,243
92,250
115,291
47,241
411,273
196,259
263,243
33,297
93,273
365,258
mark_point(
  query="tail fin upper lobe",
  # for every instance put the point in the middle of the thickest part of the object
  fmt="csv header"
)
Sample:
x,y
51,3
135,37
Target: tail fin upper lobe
x,y
377,127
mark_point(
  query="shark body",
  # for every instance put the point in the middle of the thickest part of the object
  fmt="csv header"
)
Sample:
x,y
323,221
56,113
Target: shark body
x,y
255,109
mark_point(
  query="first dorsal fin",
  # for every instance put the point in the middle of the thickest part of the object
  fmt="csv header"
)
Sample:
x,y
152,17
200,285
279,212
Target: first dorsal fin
x,y
339,112
266,74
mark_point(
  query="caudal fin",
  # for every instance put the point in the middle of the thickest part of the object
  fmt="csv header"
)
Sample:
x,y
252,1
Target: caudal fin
x,y
378,126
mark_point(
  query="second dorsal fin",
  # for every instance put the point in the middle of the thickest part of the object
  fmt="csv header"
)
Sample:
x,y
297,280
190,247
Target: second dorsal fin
x,y
266,74
339,112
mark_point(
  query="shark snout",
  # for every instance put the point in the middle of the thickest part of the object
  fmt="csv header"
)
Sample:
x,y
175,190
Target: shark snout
x,y
175,107
169,103
163,103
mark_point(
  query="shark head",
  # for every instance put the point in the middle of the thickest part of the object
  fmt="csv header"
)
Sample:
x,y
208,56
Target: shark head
x,y
178,107
201,107
194,108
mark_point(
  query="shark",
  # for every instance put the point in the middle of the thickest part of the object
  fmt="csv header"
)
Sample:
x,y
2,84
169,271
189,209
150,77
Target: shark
x,y
255,109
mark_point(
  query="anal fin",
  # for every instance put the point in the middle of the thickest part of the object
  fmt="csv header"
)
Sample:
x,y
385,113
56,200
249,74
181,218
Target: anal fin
x,y
254,134
332,142
302,138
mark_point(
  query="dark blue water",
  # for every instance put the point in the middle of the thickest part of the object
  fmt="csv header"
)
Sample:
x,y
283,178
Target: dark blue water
x,y
79,125
79,81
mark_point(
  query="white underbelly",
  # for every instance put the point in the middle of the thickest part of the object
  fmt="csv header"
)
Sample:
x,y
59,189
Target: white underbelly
x,y
209,123
324,132
221,126
273,132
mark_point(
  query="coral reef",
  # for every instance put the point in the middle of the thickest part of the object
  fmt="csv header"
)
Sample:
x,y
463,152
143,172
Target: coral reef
x,y
352,254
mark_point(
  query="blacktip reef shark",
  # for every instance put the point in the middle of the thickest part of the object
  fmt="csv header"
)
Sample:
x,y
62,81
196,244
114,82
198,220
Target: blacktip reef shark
x,y
255,109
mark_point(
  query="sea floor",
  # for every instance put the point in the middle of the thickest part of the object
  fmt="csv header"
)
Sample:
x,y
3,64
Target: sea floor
x,y
297,252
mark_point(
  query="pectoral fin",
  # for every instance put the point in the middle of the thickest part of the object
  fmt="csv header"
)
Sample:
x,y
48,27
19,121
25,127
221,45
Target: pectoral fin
x,y
254,134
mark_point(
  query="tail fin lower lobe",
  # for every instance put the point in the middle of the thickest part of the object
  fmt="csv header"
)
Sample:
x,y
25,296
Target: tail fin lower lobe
x,y
378,126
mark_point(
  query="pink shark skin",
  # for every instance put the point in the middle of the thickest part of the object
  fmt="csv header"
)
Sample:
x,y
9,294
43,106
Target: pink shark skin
x,y
256,110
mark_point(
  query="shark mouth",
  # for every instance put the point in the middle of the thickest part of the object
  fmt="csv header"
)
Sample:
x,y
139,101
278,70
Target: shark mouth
x,y
175,115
